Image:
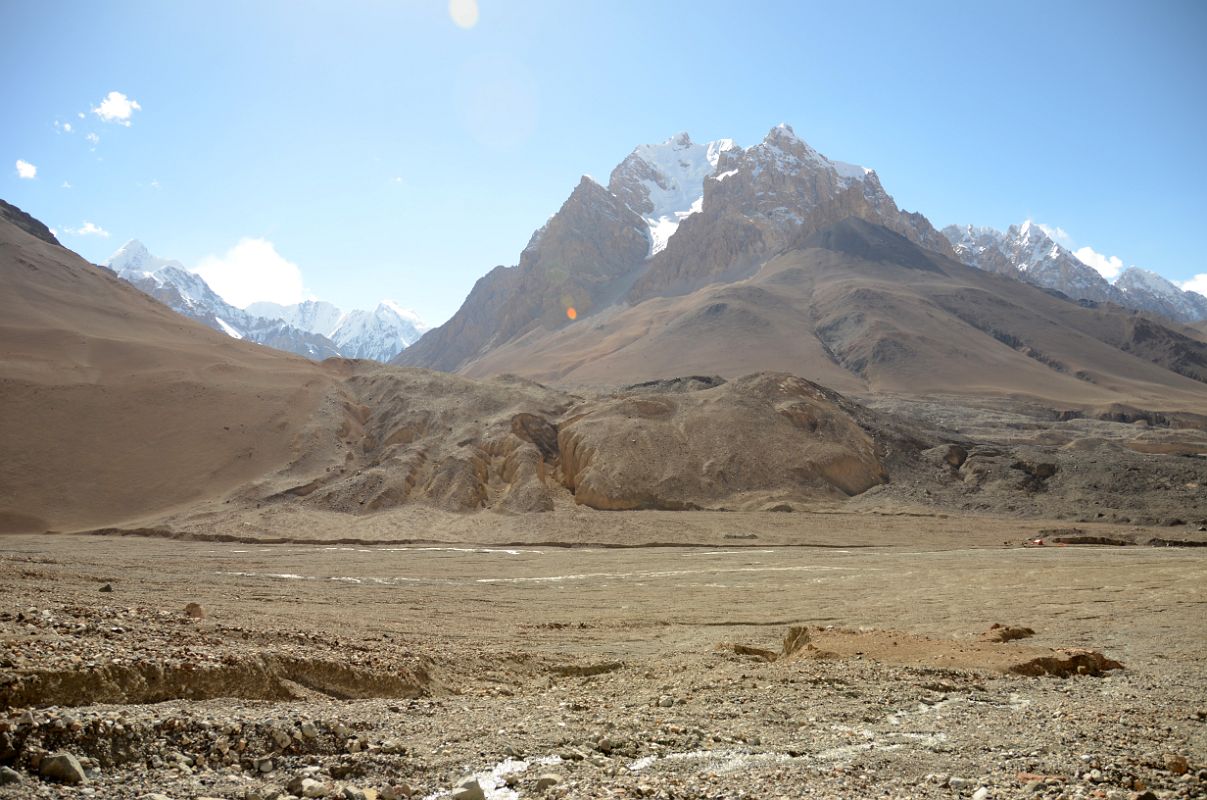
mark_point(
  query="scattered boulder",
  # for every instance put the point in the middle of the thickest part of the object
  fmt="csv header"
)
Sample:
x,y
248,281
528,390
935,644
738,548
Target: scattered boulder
x,y
194,611
62,767
468,789
1178,765
549,779
9,777
108,587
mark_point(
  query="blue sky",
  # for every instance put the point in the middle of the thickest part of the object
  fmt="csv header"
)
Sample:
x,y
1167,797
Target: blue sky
x,y
386,151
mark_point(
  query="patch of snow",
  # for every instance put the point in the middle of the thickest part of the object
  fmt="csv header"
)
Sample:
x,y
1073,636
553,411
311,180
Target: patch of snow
x,y
228,329
670,177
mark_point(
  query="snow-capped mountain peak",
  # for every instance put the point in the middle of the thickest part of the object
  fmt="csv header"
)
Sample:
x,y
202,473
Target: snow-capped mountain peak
x,y
134,258
664,182
406,314
314,328
1026,251
1148,290
786,152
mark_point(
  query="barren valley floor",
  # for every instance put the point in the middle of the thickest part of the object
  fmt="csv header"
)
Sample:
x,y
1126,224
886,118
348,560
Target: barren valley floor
x,y
501,648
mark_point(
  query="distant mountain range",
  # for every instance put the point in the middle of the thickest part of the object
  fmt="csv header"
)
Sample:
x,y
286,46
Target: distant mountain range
x,y
1028,253
313,328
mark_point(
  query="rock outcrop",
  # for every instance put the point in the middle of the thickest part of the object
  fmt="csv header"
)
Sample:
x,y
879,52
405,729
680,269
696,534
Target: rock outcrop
x,y
422,437
34,227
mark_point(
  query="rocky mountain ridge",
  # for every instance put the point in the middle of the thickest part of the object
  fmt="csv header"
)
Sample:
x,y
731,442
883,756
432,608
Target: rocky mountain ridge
x,y
674,217
314,329
1028,253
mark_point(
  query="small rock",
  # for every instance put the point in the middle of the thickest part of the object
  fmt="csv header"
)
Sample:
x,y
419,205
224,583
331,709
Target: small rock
x,y
547,780
1176,764
9,777
108,587
310,730
62,766
981,794
313,788
154,796
194,611
468,789
354,793
666,701
958,783
399,791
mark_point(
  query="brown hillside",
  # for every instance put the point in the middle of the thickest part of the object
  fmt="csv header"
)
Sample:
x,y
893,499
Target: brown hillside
x,y
113,406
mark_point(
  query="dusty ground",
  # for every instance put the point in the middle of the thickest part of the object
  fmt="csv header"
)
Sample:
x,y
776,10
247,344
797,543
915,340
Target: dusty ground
x,y
490,650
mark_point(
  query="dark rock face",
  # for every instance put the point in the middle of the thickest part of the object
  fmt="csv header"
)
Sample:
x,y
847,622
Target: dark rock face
x,y
856,237
582,259
25,222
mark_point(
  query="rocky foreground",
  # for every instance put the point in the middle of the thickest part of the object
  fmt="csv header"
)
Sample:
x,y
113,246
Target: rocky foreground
x,y
136,669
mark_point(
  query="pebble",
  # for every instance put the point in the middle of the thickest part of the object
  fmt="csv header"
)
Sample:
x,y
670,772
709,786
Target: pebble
x,y
958,784
981,794
666,701
9,777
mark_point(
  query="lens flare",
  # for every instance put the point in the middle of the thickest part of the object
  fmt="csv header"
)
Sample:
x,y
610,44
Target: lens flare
x,y
571,313
463,12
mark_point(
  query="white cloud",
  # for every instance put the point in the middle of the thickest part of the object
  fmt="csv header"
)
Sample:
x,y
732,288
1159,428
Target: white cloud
x,y
116,107
1196,284
252,271
87,229
154,184
64,127
1108,267
26,170
66,185
1057,233
92,137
